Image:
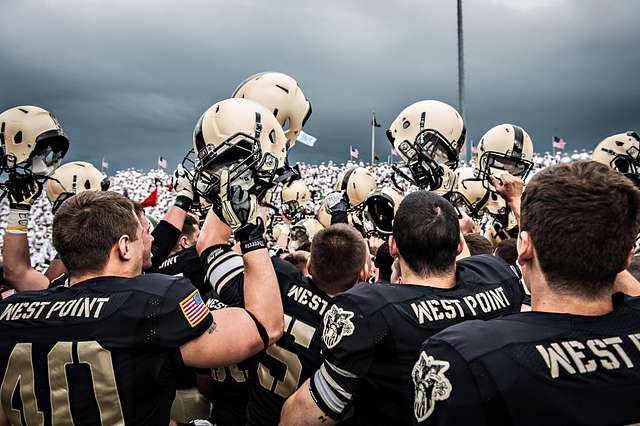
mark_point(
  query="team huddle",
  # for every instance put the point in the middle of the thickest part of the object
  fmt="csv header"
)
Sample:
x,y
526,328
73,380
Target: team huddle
x,y
245,306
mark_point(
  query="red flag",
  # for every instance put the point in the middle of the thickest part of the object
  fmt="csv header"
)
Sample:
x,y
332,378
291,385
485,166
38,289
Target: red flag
x,y
151,200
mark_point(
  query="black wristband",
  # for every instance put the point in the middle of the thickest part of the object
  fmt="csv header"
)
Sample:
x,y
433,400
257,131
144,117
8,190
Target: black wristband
x,y
183,202
249,246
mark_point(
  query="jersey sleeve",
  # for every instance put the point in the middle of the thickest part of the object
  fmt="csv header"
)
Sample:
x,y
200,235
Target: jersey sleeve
x,y
182,316
224,271
445,390
493,269
349,337
165,236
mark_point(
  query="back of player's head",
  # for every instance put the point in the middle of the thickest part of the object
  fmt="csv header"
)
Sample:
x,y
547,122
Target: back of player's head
x,y
426,232
86,227
507,249
383,262
338,254
299,259
478,244
582,218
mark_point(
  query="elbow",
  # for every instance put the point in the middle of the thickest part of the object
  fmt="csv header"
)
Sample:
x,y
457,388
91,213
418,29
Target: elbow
x,y
276,331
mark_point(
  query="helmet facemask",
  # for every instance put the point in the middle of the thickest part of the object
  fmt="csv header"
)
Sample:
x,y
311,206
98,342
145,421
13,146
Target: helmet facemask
x,y
494,163
298,237
425,155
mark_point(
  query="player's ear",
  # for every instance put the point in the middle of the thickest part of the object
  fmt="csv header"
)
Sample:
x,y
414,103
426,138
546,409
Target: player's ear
x,y
309,266
629,260
393,248
184,242
124,247
525,248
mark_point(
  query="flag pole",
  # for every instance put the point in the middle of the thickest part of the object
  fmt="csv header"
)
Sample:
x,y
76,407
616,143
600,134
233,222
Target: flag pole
x,y
373,136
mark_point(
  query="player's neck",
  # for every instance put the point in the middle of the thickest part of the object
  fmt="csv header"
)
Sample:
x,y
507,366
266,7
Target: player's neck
x,y
108,271
439,281
544,299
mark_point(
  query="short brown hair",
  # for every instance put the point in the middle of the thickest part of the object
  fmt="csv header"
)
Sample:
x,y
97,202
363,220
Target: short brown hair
x,y
87,225
478,244
338,254
299,259
583,220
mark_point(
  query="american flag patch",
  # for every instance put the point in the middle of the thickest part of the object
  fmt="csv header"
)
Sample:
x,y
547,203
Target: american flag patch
x,y
194,309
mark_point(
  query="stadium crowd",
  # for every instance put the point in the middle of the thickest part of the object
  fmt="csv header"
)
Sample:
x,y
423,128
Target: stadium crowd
x,y
243,289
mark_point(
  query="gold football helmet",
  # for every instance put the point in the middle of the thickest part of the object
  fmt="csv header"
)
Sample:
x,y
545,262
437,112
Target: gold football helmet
x,y
428,135
504,148
73,178
620,152
32,139
281,95
244,137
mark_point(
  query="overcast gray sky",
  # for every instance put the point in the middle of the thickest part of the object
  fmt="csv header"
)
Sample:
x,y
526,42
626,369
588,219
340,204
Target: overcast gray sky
x,y
129,79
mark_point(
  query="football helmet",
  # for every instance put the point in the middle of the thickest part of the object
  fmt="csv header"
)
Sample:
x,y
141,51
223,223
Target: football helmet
x,y
427,135
302,233
357,182
73,178
620,152
501,229
295,195
244,137
281,95
31,139
504,148
468,195
323,216
380,209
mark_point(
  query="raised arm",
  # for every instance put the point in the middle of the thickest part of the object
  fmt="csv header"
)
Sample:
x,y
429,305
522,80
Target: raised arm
x,y
18,271
240,333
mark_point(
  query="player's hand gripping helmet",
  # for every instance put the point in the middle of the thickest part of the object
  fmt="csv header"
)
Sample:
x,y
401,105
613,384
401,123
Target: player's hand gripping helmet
x,y
281,95
427,135
73,178
245,138
468,195
620,152
357,182
302,233
32,140
504,148
295,195
380,209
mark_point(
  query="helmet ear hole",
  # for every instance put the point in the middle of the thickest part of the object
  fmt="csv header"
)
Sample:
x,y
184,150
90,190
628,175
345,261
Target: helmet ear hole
x,y
285,125
17,139
87,185
619,143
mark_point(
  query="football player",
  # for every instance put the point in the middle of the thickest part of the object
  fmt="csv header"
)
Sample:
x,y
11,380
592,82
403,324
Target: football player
x,y
106,349
372,333
576,358
339,259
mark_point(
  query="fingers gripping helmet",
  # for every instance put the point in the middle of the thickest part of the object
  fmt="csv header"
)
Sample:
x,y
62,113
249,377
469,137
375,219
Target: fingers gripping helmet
x,y
242,136
380,209
302,233
504,148
74,178
468,194
33,138
357,182
427,135
281,95
620,152
323,216
500,230
295,195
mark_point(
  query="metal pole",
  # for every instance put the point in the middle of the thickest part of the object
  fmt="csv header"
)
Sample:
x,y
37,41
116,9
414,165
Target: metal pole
x,y
461,70
373,136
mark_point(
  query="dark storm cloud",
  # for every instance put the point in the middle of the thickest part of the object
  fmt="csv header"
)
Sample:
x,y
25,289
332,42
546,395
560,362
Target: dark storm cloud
x,y
129,79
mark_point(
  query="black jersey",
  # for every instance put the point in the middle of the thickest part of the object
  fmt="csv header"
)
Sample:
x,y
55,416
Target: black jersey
x,y
229,383
186,263
165,237
104,351
533,368
276,373
372,335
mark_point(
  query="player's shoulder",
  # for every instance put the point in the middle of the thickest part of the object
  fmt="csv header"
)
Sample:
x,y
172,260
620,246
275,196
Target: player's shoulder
x,y
485,268
156,285
474,339
368,299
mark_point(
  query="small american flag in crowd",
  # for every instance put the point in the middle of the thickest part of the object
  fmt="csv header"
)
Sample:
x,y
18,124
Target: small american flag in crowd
x,y
194,309
558,143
